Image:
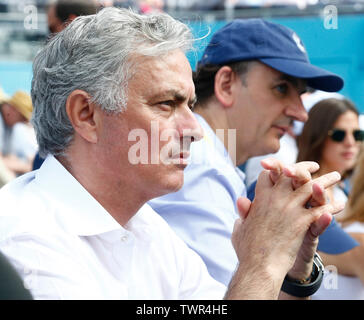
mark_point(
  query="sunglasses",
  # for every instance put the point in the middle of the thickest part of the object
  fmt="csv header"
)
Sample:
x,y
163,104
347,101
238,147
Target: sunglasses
x,y
338,135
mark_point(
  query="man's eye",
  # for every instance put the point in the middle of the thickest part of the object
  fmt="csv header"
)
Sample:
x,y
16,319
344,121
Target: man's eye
x,y
282,88
167,103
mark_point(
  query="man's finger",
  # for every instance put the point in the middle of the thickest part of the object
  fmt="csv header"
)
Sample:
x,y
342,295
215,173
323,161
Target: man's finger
x,y
315,188
320,225
243,205
318,196
235,235
275,167
328,180
263,181
300,172
327,209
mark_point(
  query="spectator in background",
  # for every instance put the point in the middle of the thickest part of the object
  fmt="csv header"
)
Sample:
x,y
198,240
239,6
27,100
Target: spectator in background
x,y
150,6
61,12
17,148
193,5
301,4
5,174
332,137
132,4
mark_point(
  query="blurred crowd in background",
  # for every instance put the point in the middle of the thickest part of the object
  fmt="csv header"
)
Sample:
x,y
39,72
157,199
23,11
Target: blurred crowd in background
x,y
148,5
19,26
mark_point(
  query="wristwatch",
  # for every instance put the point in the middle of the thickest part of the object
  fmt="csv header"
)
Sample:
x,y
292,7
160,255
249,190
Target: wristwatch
x,y
306,287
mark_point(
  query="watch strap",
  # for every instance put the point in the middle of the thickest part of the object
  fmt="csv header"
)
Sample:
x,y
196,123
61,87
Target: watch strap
x,y
298,289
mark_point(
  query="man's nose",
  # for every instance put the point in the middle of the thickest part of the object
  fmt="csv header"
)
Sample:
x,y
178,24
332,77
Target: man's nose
x,y
189,128
296,109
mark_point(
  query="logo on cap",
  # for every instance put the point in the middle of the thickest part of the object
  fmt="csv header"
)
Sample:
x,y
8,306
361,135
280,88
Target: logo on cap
x,y
299,44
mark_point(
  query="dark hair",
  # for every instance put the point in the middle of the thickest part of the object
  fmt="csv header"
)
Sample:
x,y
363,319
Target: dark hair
x,y
321,120
64,8
204,79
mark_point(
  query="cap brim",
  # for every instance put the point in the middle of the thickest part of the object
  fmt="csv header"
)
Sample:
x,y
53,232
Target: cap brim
x,y
335,240
316,77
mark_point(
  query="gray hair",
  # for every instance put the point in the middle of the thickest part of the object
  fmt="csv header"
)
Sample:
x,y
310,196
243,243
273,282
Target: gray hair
x,y
95,54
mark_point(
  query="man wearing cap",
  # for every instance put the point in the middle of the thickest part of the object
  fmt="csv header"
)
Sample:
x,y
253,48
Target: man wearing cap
x,y
17,147
248,85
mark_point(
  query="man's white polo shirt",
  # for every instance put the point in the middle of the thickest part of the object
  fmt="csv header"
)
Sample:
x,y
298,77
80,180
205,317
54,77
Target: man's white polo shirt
x,y
65,245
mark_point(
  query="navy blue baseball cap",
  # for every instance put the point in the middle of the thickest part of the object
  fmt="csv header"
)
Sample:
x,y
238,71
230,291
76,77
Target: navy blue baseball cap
x,y
274,45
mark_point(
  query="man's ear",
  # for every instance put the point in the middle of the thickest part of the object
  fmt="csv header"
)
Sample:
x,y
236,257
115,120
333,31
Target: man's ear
x,y
83,115
71,17
224,82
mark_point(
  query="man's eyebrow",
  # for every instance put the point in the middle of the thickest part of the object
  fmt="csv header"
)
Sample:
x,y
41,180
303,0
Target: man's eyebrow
x,y
298,83
177,96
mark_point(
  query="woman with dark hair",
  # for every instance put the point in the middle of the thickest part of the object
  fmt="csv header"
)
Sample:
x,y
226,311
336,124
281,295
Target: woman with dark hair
x,y
332,137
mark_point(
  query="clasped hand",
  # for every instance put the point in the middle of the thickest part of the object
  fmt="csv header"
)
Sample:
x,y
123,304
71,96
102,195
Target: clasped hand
x,y
282,225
